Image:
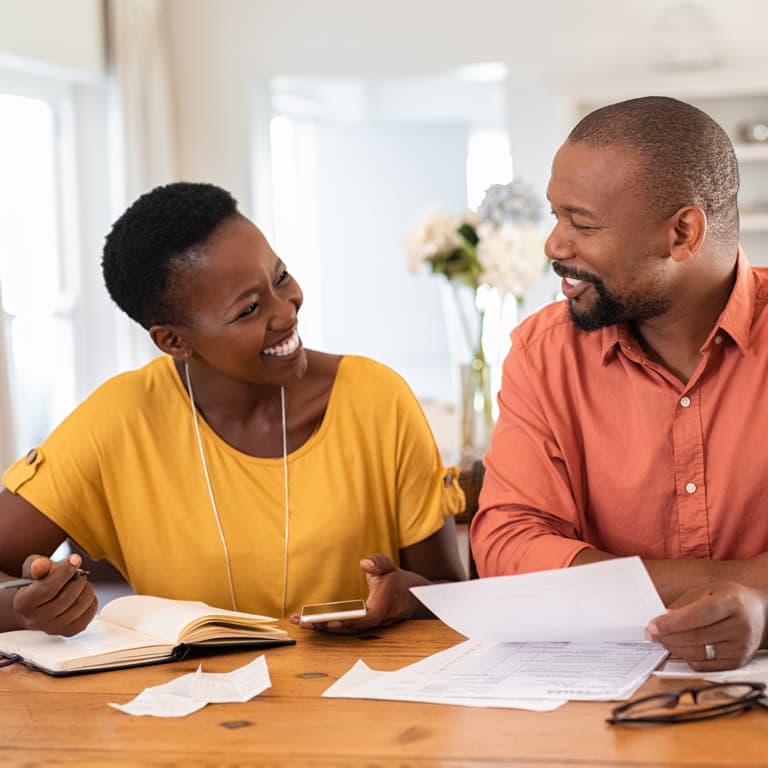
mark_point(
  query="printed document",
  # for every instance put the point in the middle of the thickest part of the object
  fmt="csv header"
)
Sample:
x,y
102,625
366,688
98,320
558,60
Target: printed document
x,y
537,640
611,601
754,671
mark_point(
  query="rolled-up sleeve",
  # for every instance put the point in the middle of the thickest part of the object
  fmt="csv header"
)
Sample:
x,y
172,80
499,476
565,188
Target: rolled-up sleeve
x,y
527,518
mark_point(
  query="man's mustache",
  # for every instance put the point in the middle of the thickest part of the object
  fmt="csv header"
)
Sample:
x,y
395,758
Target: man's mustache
x,y
564,272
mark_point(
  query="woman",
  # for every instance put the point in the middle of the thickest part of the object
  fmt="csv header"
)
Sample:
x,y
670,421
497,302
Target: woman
x,y
239,468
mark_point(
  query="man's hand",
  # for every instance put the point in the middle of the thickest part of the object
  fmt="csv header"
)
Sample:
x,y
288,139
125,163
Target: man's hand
x,y
729,617
389,599
59,602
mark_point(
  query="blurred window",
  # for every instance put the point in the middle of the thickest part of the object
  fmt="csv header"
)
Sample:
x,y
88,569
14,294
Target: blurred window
x,y
37,272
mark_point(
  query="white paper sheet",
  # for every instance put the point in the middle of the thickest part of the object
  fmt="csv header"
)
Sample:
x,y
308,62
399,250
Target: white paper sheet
x,y
362,682
611,601
188,693
538,676
537,640
755,671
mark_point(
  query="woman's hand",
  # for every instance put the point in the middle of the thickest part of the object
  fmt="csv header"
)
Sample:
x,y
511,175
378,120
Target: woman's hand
x,y
731,619
389,598
59,602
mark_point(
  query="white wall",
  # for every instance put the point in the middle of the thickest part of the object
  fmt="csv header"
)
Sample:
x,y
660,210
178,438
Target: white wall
x,y
373,177
63,33
223,53
221,48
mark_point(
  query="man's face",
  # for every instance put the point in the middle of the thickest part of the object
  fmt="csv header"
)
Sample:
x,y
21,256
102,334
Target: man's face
x,y
609,251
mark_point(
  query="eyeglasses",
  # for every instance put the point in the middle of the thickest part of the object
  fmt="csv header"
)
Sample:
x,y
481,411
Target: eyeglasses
x,y
690,704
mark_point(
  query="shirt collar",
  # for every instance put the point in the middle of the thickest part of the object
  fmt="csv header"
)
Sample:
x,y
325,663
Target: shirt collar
x,y
735,319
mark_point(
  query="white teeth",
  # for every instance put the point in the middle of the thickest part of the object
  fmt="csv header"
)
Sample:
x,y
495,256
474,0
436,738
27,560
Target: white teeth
x,y
573,281
287,347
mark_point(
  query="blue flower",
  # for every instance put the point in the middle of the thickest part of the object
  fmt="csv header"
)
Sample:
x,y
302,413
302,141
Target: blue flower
x,y
513,203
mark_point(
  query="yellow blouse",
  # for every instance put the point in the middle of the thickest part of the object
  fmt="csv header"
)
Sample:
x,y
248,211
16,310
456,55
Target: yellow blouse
x,y
122,475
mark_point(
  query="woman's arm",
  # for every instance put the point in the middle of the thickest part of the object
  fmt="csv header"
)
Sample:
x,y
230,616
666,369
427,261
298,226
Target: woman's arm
x,y
59,603
434,559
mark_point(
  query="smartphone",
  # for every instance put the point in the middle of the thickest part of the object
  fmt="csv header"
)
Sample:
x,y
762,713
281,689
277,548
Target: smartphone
x,y
339,611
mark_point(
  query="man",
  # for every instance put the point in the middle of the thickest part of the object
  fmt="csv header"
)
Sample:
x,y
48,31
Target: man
x,y
631,424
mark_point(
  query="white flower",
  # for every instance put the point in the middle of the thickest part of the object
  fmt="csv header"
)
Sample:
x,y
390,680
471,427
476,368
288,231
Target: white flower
x,y
499,246
511,256
434,234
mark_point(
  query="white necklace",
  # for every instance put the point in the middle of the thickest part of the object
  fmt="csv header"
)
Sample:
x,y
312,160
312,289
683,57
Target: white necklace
x,y
196,422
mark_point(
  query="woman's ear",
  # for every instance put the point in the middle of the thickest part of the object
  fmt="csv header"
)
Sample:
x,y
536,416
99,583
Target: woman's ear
x,y
168,340
688,231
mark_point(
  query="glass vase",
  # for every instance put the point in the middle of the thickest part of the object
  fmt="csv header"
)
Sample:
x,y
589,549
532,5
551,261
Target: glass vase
x,y
472,315
476,408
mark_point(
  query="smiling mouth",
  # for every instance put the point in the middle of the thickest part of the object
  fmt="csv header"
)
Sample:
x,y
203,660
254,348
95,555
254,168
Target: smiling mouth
x,y
284,348
572,286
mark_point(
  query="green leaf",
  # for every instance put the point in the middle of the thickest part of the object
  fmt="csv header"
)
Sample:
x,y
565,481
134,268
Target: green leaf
x,y
468,232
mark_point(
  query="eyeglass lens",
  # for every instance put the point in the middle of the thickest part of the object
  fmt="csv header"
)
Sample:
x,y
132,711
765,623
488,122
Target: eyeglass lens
x,y
688,703
724,693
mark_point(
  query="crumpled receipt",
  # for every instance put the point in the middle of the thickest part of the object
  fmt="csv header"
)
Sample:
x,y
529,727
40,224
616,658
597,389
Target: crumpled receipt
x,y
188,693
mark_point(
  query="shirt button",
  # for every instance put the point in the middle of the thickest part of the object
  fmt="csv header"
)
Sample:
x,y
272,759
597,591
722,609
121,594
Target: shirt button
x,y
718,339
685,401
690,487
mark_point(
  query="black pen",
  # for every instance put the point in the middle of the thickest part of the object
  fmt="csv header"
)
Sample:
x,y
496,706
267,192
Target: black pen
x,y
14,583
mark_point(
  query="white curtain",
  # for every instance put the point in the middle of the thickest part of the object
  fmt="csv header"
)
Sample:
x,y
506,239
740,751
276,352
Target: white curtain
x,y
143,111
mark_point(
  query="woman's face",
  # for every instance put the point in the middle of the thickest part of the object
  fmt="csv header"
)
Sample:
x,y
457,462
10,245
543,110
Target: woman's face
x,y
241,307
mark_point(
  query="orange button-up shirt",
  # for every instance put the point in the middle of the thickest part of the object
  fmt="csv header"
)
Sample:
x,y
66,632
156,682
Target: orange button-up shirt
x,y
597,445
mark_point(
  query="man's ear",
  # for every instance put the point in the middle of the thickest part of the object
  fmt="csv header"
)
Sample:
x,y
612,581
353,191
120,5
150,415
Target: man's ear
x,y
168,340
687,233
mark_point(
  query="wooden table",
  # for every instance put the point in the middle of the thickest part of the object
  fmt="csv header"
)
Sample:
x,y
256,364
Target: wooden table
x,y
48,721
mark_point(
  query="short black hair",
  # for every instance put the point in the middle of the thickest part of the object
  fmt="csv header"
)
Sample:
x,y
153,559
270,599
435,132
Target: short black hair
x,y
687,158
160,230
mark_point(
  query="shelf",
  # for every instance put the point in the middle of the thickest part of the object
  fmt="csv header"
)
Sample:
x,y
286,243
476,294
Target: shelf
x,y
733,97
751,152
754,222
720,83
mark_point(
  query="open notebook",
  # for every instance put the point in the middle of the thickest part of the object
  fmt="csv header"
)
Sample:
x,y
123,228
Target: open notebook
x,y
140,629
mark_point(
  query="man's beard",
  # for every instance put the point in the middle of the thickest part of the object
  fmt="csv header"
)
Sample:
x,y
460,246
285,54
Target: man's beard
x,y
609,309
